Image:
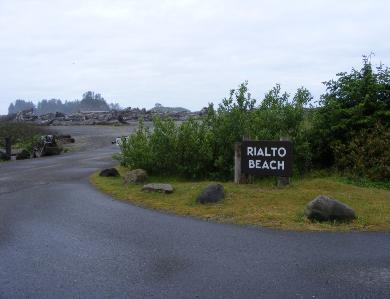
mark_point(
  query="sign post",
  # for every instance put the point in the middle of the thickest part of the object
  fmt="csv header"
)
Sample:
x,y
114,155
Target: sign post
x,y
264,158
237,163
8,151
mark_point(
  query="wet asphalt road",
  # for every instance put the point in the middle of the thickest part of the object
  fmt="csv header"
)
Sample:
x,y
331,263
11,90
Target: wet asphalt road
x,y
60,238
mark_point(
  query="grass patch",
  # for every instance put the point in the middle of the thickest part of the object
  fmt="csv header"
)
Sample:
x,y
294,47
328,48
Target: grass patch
x,y
261,203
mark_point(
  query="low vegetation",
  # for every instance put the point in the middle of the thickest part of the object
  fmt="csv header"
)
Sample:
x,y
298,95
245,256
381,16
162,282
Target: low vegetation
x,y
24,136
345,139
260,203
348,132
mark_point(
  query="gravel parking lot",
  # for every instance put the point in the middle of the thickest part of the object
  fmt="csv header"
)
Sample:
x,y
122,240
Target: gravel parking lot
x,y
93,137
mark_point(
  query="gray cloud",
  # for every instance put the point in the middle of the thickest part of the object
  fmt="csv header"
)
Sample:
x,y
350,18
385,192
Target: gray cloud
x,y
185,53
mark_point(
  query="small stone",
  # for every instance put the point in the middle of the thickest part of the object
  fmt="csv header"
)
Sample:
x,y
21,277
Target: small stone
x,y
323,208
211,194
136,176
157,187
109,172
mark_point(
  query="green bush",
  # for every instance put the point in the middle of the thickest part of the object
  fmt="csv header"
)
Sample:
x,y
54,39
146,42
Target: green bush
x,y
136,151
367,154
353,103
205,148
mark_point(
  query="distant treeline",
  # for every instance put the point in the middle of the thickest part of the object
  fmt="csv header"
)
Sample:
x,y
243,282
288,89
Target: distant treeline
x,y
90,102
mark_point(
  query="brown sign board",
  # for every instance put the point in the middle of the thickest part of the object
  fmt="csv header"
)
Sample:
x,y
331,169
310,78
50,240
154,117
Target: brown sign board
x,y
267,158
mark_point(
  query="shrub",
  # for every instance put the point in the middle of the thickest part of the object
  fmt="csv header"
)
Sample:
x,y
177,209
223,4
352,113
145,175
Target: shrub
x,y
367,154
205,148
352,104
136,151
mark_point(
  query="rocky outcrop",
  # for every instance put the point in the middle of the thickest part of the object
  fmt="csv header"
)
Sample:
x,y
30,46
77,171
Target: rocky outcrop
x,y
323,208
211,194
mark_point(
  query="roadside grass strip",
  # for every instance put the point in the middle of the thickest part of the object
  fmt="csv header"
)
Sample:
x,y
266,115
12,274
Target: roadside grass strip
x,y
261,203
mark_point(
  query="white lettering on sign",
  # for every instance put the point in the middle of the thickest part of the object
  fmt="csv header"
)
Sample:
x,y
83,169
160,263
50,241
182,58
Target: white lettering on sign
x,y
259,164
283,151
266,152
249,151
251,164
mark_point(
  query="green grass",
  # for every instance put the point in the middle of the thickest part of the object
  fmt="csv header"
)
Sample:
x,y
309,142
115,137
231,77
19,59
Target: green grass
x,y
261,203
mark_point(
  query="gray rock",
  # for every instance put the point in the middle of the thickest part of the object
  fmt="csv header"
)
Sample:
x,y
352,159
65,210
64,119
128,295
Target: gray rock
x,y
109,172
211,194
136,176
323,208
157,187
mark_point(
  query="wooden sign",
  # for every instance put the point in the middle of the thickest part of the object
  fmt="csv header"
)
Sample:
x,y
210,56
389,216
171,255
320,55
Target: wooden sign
x,y
267,158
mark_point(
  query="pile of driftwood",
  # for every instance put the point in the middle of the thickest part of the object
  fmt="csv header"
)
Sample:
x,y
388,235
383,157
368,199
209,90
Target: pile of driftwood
x,y
112,117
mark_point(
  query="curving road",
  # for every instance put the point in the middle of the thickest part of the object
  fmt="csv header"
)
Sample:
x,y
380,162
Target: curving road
x,y
60,238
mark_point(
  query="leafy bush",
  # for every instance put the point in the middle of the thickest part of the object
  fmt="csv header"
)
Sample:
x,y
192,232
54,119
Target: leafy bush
x,y
136,151
205,148
353,103
367,154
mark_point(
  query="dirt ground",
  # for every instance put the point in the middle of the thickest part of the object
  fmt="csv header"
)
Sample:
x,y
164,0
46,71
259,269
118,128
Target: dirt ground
x,y
93,137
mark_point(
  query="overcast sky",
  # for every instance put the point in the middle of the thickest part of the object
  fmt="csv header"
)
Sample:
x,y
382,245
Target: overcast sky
x,y
181,53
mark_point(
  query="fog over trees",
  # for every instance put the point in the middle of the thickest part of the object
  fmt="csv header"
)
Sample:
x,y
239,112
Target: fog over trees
x,y
90,102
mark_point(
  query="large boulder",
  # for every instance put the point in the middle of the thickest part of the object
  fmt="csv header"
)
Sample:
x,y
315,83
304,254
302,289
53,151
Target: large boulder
x,y
136,176
109,172
211,194
323,208
157,187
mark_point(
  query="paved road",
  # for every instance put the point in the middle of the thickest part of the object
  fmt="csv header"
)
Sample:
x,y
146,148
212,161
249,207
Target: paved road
x,y
60,238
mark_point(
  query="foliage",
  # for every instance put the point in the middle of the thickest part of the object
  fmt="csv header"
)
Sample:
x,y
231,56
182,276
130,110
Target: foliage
x,y
349,131
56,105
367,154
23,135
20,105
278,117
185,150
205,148
93,102
353,103
136,151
